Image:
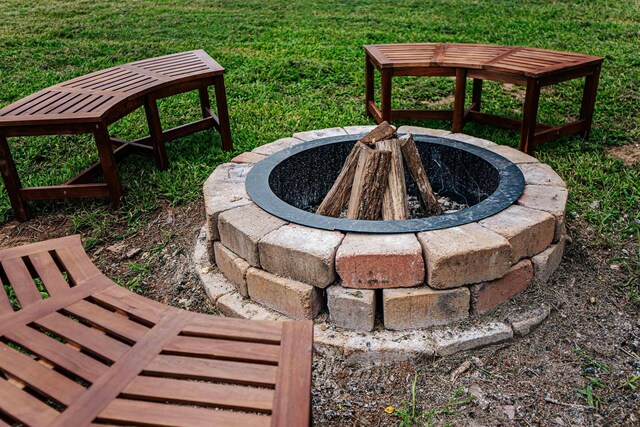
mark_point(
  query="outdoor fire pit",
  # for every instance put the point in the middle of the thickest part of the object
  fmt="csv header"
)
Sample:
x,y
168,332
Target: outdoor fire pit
x,y
377,275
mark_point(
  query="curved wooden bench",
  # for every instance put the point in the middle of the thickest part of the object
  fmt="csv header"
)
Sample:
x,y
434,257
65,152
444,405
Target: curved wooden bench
x,y
78,350
533,68
90,103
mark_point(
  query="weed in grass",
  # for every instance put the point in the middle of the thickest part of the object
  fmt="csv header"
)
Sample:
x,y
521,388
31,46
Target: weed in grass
x,y
409,414
631,264
594,393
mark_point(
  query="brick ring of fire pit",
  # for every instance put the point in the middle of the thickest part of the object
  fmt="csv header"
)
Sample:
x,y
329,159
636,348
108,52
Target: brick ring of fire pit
x,y
429,278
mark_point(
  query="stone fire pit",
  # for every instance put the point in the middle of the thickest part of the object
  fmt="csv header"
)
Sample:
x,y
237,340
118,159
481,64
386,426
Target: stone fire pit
x,y
281,260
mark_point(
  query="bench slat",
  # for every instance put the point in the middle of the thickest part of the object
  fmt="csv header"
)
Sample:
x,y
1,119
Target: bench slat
x,y
157,414
200,393
212,370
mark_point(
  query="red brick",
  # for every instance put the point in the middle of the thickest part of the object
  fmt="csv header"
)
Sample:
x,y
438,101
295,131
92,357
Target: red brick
x,y
380,261
485,296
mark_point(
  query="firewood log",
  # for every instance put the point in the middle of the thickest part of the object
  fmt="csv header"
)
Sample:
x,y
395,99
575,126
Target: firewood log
x,y
369,183
413,162
394,202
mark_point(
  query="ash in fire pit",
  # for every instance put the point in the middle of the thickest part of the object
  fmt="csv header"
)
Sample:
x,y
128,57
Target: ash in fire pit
x,y
470,182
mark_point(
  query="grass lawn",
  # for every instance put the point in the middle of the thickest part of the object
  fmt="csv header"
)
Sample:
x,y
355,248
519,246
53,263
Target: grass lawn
x,y
299,64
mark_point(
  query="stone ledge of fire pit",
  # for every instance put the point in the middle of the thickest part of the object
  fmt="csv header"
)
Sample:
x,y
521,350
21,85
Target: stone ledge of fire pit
x,y
449,341
463,255
301,253
242,228
529,231
374,261
540,174
549,199
361,348
224,190
319,133
415,308
352,308
275,146
248,157
290,297
487,295
546,262
515,156
232,266
417,130
523,323
478,142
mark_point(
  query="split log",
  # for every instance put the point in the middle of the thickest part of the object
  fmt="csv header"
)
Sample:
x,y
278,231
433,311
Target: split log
x,y
416,169
369,183
338,195
383,131
394,202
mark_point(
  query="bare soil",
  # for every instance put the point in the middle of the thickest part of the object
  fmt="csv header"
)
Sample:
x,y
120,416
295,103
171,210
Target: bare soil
x,y
590,342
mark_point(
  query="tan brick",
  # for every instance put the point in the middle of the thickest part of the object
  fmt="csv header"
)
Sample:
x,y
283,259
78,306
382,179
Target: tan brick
x,y
478,142
352,308
546,262
242,228
529,231
380,261
286,296
417,130
248,157
277,145
422,307
540,174
301,253
319,133
355,130
514,155
549,199
224,190
232,266
485,296
465,254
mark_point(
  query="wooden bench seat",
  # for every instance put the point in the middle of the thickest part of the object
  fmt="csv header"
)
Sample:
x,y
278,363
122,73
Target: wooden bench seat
x,y
79,350
90,103
533,68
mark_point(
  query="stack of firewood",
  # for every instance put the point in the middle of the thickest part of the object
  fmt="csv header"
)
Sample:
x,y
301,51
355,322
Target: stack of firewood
x,y
372,183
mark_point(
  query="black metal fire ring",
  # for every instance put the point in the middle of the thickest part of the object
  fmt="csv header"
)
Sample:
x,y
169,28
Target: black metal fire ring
x,y
510,187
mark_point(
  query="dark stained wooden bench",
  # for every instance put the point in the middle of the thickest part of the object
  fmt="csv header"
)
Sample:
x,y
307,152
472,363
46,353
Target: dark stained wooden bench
x,y
90,103
533,68
79,350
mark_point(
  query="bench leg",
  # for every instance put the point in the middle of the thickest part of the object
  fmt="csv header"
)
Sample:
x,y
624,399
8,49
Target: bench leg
x,y
109,167
476,95
458,105
386,96
155,131
589,101
528,130
12,181
369,85
223,113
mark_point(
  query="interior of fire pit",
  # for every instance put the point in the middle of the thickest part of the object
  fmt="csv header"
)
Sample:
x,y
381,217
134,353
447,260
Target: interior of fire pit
x,y
291,184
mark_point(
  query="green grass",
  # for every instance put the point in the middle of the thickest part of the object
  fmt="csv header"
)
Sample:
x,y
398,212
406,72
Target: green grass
x,y
298,64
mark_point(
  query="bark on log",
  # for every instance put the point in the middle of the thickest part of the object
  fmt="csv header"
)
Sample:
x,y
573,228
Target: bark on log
x,y
369,183
394,202
383,131
416,169
338,196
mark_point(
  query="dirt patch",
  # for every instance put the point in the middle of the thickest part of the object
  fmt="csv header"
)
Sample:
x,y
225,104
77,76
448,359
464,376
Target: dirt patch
x,y
578,368
446,101
153,261
629,153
